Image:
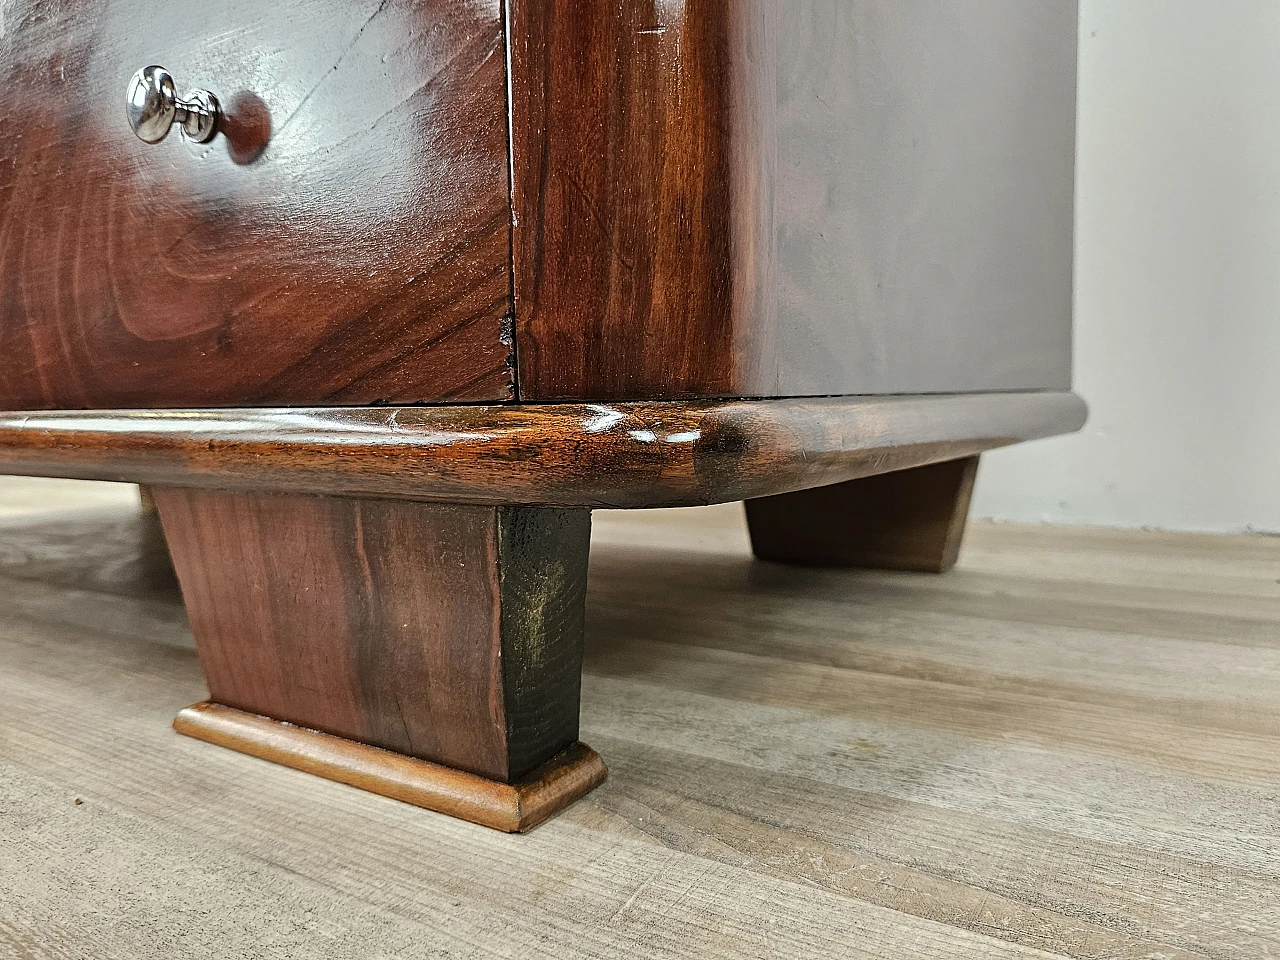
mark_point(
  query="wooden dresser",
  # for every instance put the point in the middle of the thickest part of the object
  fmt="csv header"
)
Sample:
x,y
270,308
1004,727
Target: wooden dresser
x,y
416,284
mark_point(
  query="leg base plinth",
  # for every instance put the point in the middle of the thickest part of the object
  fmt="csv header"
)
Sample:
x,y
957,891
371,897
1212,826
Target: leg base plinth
x,y
510,807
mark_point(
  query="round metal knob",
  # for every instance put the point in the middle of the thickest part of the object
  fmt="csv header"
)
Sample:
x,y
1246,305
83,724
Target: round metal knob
x,y
153,107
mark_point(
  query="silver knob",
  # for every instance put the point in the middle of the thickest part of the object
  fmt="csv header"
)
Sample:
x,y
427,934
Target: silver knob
x,y
152,106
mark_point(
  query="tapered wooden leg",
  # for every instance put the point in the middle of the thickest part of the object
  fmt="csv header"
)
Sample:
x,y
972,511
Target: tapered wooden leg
x,y
907,520
154,553
425,651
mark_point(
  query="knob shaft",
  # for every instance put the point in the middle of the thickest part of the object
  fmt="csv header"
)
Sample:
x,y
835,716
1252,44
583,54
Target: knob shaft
x,y
153,107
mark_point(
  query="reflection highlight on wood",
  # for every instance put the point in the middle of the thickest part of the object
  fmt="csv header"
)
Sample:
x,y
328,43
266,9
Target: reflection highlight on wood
x,y
563,455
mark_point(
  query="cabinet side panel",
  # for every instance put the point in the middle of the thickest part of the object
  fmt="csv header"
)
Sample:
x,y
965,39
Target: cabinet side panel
x,y
925,190
792,199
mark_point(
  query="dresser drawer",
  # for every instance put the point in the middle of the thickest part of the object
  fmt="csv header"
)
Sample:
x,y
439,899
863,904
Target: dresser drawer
x,y
346,240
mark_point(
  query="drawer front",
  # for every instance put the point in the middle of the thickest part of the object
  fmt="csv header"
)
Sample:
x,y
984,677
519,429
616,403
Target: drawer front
x,y
345,240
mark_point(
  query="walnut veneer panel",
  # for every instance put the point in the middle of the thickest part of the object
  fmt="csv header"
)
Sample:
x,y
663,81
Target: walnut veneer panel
x,y
346,241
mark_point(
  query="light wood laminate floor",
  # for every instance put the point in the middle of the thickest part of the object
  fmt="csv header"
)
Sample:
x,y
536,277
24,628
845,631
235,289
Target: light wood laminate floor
x,y
1069,746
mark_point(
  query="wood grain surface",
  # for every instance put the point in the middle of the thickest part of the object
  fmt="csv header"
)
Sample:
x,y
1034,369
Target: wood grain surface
x,y
906,520
564,455
1067,747
448,633
631,268
764,198
347,240
508,807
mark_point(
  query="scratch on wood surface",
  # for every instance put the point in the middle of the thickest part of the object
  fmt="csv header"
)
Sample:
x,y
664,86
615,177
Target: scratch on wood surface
x,y
332,70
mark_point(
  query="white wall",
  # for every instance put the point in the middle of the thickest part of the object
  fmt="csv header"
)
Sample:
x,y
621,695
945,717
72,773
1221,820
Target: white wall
x,y
1177,278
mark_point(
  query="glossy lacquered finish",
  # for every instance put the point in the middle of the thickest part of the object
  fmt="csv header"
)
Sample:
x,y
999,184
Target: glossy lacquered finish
x,y
344,239
769,198
566,455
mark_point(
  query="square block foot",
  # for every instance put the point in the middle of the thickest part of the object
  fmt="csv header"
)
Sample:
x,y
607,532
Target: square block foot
x,y
513,807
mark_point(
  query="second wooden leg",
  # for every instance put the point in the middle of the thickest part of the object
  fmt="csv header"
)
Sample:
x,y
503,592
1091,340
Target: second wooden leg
x,y
442,633
906,520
